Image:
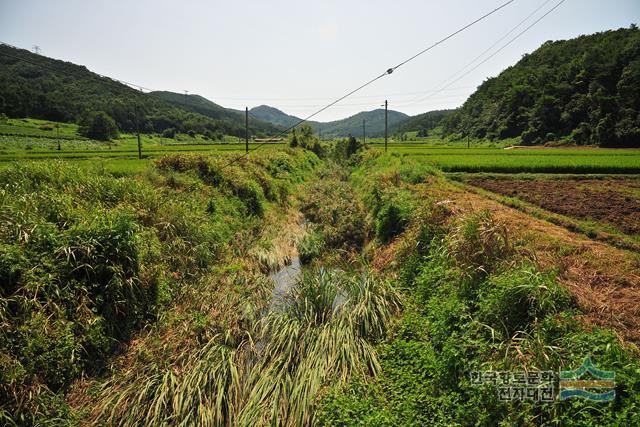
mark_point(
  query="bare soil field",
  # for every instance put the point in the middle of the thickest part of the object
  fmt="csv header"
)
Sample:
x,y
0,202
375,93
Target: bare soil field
x,y
604,280
612,201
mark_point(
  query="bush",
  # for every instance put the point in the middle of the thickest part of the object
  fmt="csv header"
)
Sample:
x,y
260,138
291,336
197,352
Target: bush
x,y
478,244
391,220
99,125
339,215
518,299
310,247
251,196
169,133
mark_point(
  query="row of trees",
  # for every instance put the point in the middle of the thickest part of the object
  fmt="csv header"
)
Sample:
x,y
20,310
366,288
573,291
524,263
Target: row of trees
x,y
340,150
585,90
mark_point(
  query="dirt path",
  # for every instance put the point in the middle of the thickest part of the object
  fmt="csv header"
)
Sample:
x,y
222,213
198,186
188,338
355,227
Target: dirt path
x,y
605,280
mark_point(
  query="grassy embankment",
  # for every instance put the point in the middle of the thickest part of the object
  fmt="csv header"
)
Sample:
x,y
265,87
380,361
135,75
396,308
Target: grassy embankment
x,y
90,259
475,298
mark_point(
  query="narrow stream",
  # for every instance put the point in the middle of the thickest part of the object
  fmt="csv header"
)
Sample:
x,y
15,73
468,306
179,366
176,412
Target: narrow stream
x,y
284,279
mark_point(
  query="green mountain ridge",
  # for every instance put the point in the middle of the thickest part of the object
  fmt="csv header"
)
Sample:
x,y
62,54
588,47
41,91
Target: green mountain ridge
x,y
374,121
422,122
45,88
584,90
201,105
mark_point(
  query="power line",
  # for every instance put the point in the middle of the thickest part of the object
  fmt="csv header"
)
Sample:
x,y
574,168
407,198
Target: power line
x,y
360,103
435,90
307,118
389,71
496,52
330,98
449,36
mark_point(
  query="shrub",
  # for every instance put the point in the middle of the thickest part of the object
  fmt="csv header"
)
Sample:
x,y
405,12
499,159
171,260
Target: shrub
x,y
391,220
520,298
169,133
310,247
478,244
336,210
251,196
99,125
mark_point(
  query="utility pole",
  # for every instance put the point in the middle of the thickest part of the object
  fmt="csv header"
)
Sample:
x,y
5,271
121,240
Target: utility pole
x,y
364,132
58,135
246,129
138,131
36,49
386,135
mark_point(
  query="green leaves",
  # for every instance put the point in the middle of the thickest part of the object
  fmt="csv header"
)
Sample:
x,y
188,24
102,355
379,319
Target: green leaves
x,y
573,91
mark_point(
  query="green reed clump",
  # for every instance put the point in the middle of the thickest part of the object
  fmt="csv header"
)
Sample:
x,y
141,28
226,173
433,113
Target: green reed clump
x,y
311,246
272,371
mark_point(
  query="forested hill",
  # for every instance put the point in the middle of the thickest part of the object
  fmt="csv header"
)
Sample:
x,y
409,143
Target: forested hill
x,y
202,105
274,116
337,128
353,125
36,86
585,91
422,122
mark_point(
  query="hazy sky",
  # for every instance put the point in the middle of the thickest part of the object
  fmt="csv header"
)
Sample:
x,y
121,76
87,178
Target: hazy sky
x,y
298,55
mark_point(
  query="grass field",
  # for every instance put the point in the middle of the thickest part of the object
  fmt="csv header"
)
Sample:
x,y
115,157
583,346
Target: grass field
x,y
534,160
39,128
31,139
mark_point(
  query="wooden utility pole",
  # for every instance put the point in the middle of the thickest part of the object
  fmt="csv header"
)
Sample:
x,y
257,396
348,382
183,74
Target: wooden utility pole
x,y
364,132
138,132
386,135
246,129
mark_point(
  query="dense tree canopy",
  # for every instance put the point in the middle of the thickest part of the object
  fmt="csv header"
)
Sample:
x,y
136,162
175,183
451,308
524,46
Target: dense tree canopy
x,y
422,122
585,90
36,86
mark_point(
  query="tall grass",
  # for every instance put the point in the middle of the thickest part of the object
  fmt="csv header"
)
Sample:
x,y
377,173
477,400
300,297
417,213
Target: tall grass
x,y
88,258
480,304
272,371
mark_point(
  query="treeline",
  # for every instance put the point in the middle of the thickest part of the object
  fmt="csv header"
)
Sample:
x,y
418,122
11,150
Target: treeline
x,y
65,92
422,123
584,91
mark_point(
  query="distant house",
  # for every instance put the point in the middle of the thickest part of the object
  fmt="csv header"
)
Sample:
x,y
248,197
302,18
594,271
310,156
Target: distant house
x,y
268,139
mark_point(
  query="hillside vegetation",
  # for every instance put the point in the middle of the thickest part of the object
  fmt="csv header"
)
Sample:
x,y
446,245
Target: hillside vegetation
x,y
338,128
584,91
201,105
422,123
44,88
89,258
